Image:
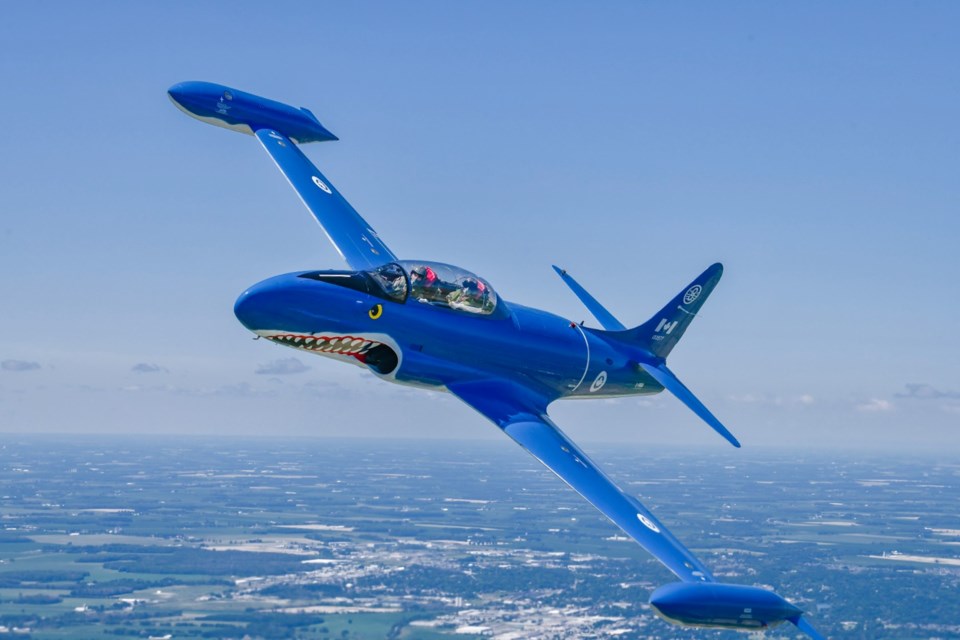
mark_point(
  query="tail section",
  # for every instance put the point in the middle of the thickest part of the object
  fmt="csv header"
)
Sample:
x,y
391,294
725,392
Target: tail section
x,y
658,335
663,331
606,319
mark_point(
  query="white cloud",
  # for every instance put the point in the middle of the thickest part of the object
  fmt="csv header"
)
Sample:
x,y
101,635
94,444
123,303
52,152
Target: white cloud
x,y
282,367
925,391
243,390
147,367
773,400
19,365
875,405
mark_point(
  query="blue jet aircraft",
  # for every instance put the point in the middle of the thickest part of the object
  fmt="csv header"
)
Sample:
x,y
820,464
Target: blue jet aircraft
x,y
440,327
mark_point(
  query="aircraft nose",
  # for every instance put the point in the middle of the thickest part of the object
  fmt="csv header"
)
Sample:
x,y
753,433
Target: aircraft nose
x,y
258,305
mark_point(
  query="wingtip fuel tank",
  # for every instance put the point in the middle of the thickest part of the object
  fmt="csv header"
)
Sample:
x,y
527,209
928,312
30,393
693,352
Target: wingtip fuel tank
x,y
245,112
714,604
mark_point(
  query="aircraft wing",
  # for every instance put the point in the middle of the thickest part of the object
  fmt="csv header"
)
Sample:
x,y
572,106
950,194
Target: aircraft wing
x,y
350,234
521,414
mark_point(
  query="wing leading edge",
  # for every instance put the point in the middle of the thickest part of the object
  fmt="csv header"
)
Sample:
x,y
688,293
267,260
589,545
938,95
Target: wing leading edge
x,y
521,414
279,127
352,236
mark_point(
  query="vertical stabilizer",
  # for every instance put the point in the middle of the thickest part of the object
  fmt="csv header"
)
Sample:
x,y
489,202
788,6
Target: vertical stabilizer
x,y
658,335
661,333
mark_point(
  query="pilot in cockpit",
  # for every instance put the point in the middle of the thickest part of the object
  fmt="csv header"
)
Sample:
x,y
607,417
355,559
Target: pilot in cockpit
x,y
391,279
425,285
471,296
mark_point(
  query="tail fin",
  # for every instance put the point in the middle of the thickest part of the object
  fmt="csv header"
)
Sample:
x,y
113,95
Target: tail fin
x,y
663,331
658,335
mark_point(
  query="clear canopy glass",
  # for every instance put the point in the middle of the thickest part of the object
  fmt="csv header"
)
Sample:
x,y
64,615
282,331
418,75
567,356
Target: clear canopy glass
x,y
437,284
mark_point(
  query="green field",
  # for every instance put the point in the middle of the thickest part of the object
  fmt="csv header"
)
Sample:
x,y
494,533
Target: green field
x,y
285,539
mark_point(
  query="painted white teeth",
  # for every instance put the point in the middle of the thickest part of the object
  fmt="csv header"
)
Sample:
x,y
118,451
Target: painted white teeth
x,y
348,346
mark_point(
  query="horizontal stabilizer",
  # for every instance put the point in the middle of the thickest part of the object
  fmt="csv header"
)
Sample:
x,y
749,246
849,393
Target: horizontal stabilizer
x,y
664,376
604,317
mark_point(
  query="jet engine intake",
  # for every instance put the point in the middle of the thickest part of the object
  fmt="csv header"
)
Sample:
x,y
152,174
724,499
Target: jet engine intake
x,y
382,359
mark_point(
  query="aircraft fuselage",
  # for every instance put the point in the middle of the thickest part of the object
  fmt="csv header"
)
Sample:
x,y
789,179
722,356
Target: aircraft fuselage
x,y
426,345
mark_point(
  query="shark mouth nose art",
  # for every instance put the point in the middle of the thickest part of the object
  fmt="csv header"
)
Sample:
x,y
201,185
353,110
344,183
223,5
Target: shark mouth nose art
x,y
379,353
325,343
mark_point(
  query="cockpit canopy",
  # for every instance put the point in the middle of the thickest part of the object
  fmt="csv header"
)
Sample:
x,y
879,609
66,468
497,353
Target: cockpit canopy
x,y
444,285
433,283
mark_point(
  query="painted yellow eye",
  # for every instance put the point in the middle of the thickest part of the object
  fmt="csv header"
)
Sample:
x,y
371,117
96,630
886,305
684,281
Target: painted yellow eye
x,y
375,311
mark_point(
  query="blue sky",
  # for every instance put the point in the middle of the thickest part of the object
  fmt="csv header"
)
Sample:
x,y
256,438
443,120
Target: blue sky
x,y
813,148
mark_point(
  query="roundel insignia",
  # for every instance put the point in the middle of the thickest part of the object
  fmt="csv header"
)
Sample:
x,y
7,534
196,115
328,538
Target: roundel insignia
x,y
598,383
648,523
320,183
692,294
375,311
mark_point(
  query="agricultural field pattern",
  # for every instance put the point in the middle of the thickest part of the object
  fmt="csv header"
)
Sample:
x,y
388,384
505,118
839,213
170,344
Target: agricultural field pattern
x,y
172,537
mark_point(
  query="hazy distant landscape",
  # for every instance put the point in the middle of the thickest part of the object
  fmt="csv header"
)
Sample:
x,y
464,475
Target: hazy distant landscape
x,y
203,538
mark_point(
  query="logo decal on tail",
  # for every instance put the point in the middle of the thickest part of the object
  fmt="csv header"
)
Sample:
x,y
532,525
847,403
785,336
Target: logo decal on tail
x,y
692,294
666,326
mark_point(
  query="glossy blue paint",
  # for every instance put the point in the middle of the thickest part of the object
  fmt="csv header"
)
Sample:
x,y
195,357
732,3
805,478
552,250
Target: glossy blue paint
x,y
535,348
670,381
604,317
731,606
245,112
437,326
356,240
